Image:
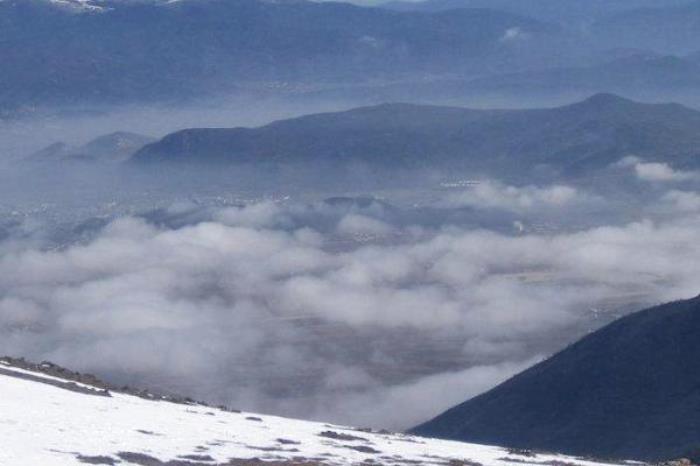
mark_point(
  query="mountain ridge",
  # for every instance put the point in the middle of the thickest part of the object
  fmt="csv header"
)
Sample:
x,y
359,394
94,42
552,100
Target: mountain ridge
x,y
629,389
113,147
583,136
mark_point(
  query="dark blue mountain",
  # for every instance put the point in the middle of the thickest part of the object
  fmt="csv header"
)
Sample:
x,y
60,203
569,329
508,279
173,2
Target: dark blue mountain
x,y
569,140
631,389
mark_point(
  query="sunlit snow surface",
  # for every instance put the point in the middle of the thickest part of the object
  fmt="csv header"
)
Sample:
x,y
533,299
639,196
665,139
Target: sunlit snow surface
x,y
42,424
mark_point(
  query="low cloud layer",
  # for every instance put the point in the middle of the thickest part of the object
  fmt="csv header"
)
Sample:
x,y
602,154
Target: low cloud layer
x,y
657,171
491,194
345,310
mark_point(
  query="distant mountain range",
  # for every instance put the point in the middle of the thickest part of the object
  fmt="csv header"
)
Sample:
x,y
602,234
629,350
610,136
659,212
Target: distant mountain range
x,y
631,389
113,147
548,10
113,51
571,140
633,74
663,29
78,53
666,27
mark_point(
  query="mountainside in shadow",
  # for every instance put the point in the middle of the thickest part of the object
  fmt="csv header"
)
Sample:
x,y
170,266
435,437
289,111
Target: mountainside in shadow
x,y
631,389
569,140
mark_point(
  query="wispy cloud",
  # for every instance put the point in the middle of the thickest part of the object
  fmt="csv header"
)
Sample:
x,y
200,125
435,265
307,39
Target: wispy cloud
x,y
657,171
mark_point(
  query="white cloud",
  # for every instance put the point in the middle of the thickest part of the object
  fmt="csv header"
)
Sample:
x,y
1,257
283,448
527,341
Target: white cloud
x,y
655,171
682,201
512,34
661,172
495,195
423,399
356,224
259,310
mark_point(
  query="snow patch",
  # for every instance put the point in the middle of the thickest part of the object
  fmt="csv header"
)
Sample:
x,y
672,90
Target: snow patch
x,y
45,424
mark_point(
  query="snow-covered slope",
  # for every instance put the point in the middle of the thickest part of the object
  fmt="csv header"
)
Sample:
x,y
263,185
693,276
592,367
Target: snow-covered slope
x,y
50,420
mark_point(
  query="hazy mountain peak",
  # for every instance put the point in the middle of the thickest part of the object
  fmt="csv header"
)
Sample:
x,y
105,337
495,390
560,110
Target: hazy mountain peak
x,y
606,99
114,147
52,151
